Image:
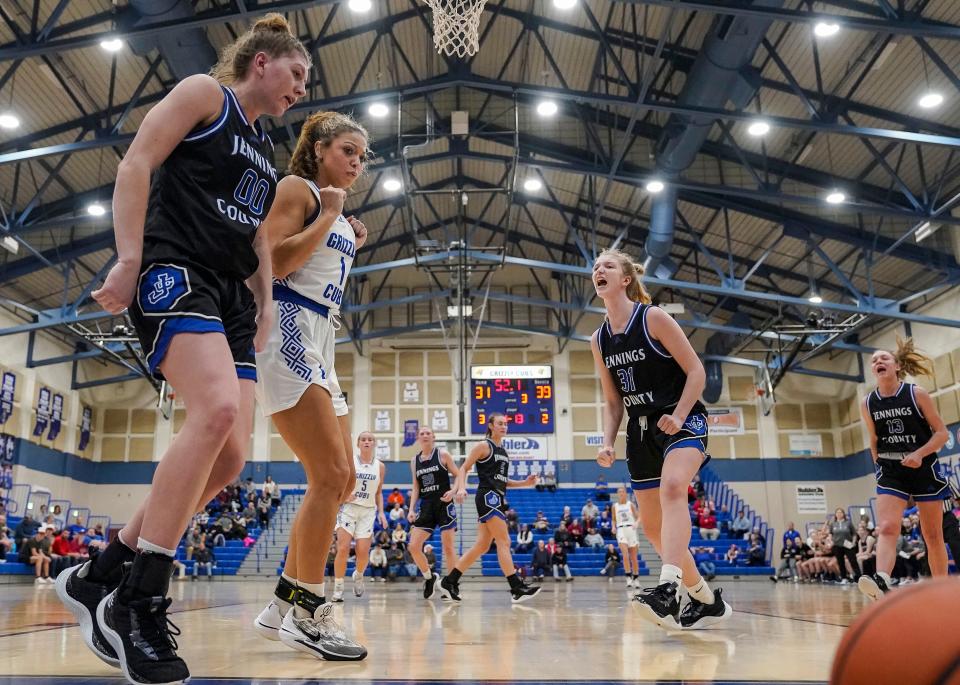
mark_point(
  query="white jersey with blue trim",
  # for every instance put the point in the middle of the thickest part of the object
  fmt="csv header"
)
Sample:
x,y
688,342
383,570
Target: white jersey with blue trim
x,y
323,277
367,482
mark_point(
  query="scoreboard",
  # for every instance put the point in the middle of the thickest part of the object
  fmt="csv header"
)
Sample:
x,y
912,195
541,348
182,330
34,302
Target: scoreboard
x,y
524,394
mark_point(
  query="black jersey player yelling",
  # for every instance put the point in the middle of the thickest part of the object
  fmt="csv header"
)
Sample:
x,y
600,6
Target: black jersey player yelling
x,y
648,369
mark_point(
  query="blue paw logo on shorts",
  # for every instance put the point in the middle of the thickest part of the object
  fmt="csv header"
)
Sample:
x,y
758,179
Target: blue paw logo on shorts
x,y
161,287
492,499
695,424
452,510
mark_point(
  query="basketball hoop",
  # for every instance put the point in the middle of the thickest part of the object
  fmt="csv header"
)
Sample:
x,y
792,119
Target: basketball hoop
x,y
456,26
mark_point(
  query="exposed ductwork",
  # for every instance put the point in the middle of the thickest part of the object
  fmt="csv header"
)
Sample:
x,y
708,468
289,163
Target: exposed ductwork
x,y
185,51
720,344
722,72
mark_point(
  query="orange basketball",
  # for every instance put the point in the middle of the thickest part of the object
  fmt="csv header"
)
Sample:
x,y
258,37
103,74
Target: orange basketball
x,y
910,637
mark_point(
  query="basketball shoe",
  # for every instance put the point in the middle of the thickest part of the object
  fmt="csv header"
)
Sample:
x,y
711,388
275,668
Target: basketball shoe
x,y
319,635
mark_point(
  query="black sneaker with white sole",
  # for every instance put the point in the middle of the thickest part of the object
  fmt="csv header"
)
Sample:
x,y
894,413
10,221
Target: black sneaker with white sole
x,y
82,596
660,605
873,586
698,615
430,586
143,637
523,592
449,590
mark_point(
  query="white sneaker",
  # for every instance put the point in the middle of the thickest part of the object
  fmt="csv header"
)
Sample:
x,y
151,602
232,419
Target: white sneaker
x,y
629,581
267,624
338,590
358,584
319,636
39,581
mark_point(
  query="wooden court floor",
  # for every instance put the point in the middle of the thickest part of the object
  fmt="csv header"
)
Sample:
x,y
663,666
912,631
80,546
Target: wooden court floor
x,y
580,631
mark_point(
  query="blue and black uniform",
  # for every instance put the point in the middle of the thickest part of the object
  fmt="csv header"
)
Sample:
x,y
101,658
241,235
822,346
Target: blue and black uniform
x,y
901,428
433,480
492,473
206,202
650,382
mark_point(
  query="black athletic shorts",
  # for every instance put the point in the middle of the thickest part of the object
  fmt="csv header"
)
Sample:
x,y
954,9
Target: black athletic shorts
x,y
490,503
435,513
924,483
648,446
181,298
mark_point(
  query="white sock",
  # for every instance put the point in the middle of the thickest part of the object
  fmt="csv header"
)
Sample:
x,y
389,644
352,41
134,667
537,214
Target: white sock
x,y
670,574
147,546
315,588
427,575
338,583
701,592
885,576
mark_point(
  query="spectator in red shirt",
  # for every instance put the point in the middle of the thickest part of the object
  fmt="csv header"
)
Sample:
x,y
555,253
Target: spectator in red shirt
x,y
396,497
707,521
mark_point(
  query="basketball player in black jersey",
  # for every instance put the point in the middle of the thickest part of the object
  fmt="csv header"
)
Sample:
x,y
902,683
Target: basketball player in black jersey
x,y
493,467
195,274
647,365
905,433
433,489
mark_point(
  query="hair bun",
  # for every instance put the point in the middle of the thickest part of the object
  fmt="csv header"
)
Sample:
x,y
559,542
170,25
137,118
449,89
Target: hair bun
x,y
272,23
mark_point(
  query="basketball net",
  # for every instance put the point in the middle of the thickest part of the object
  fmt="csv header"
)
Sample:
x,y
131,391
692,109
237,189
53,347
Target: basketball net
x,y
456,26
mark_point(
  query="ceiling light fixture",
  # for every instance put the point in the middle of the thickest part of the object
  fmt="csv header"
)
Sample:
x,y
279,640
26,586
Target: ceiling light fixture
x,y
654,186
392,185
826,29
930,100
360,5
111,44
378,109
836,197
547,108
532,185
758,128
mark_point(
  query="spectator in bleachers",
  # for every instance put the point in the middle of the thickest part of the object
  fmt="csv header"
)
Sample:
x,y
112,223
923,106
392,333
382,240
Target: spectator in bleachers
x,y
249,489
31,552
191,541
910,554
791,533
80,547
703,556
399,536
272,490
431,557
94,539
60,553
732,555
576,532
563,538
394,561
6,538
593,539
547,481
866,550
707,522
740,526
204,556
396,497
610,562
605,524
541,524
26,529
249,514
788,562
802,553
600,491
397,515
589,513
524,540
760,536
567,516
723,521
513,520
691,494
409,565
844,545
382,539
542,560
378,563
560,565
263,510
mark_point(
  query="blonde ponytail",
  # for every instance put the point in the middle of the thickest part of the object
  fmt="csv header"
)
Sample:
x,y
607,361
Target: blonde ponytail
x,y
271,35
911,361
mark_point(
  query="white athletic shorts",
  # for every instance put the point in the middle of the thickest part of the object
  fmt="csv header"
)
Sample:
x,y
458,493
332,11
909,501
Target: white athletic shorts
x,y
298,354
356,520
627,535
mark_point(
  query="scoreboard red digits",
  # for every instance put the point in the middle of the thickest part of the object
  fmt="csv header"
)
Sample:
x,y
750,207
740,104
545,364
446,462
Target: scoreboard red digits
x,y
524,394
